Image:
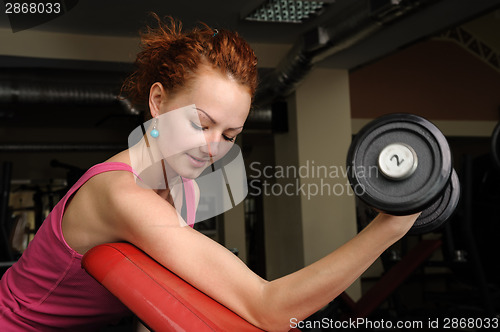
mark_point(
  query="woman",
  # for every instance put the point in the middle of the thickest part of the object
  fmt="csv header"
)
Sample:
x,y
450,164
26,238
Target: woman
x,y
205,79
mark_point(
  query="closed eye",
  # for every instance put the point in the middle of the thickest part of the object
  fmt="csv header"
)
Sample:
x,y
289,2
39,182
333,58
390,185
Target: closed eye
x,y
229,139
195,126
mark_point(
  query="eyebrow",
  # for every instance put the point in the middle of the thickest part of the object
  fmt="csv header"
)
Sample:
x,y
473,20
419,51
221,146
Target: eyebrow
x,y
213,121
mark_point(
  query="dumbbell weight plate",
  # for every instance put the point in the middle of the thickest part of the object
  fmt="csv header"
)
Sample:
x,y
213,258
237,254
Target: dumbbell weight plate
x,y
441,210
420,185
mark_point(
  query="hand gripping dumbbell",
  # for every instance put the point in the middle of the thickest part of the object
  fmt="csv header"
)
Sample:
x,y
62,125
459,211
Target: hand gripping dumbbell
x,y
401,164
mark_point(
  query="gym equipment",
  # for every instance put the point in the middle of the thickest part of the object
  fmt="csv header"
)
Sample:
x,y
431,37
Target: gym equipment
x,y
159,298
5,178
401,164
390,281
441,210
495,146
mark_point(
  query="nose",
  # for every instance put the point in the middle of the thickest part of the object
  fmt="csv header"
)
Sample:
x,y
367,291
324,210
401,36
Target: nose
x,y
212,146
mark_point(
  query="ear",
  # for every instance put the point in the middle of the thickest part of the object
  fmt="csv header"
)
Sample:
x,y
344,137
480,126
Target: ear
x,y
156,95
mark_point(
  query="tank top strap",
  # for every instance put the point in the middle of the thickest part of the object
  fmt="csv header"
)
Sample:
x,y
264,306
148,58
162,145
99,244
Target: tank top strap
x,y
190,197
97,169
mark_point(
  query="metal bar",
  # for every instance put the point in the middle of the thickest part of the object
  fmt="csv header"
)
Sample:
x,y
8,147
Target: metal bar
x,y
4,207
7,264
61,147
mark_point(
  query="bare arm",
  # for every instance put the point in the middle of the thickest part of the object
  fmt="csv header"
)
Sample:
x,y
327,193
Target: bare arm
x,y
141,217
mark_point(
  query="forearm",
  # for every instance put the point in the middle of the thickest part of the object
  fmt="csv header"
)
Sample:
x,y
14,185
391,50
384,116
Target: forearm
x,y
302,293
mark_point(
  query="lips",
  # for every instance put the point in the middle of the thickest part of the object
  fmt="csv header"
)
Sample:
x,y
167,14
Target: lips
x,y
196,162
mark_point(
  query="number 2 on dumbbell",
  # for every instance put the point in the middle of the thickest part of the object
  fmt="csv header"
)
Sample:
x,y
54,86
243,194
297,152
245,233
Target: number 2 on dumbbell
x,y
391,161
398,163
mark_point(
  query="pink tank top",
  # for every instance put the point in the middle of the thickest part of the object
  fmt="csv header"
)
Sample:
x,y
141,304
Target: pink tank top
x,y
47,289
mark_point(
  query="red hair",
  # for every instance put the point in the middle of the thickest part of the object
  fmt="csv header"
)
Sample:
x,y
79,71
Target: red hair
x,y
172,57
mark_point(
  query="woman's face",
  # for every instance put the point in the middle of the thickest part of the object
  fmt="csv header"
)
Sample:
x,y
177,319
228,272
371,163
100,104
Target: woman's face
x,y
199,125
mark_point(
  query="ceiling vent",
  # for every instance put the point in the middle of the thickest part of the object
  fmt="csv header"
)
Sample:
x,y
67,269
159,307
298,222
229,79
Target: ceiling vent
x,y
287,11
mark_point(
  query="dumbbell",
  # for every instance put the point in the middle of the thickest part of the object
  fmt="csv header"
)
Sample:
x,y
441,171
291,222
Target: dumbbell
x,y
401,164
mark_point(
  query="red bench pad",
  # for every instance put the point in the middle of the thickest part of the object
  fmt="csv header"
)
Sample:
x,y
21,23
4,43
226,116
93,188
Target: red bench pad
x,y
162,300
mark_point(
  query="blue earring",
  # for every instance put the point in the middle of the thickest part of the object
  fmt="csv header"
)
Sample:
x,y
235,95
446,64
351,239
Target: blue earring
x,y
155,133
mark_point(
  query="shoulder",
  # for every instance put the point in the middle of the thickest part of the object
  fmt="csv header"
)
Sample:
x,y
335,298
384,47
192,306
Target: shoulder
x,y
118,186
90,215
113,189
108,185
130,208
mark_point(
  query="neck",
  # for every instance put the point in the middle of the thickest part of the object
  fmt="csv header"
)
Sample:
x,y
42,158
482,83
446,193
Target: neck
x,y
147,160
